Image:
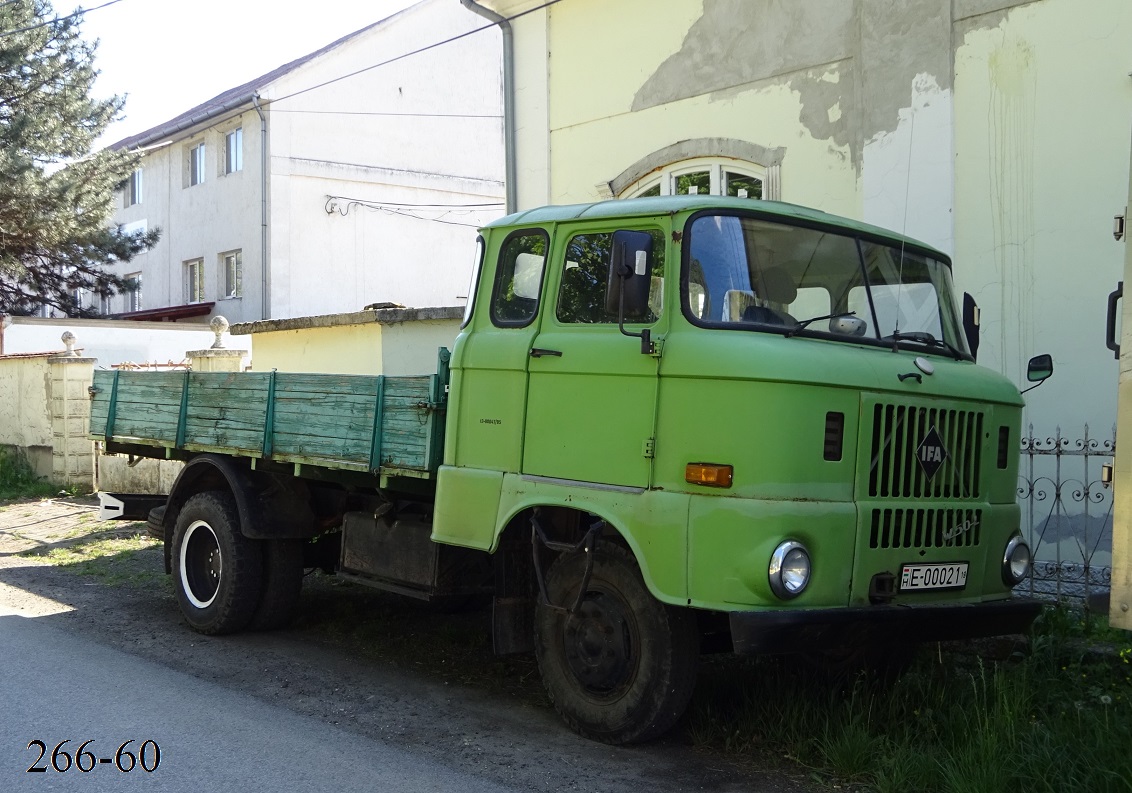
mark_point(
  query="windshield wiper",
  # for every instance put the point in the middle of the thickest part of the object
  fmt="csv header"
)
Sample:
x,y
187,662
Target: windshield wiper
x,y
805,322
922,337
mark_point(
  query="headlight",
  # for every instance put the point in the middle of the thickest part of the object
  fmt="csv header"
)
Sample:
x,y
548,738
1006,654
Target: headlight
x,y
789,569
1016,561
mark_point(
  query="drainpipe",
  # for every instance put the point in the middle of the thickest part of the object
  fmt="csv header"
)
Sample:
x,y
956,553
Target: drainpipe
x,y
262,207
509,167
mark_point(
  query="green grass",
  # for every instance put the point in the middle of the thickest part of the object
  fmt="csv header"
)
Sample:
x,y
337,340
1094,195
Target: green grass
x,y
18,479
113,558
1056,719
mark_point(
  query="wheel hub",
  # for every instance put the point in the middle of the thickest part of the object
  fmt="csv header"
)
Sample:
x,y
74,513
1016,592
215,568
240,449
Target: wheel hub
x,y
598,644
201,564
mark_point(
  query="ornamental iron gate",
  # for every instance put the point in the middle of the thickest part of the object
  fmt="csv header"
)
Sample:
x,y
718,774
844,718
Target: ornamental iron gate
x,y
1067,516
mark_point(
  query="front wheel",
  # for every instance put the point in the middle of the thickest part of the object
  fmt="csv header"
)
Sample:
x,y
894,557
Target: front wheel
x,y
218,571
623,668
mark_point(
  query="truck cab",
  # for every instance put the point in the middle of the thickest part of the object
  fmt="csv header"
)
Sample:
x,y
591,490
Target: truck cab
x,y
774,411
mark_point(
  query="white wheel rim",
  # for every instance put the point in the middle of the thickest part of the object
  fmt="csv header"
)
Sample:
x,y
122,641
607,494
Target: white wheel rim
x,y
186,583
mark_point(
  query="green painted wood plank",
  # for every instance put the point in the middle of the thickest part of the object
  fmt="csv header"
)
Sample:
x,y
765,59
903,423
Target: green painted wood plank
x,y
243,440
322,462
319,446
244,416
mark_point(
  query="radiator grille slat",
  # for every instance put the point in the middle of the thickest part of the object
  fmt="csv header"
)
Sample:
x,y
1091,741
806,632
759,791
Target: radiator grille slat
x,y
925,528
897,434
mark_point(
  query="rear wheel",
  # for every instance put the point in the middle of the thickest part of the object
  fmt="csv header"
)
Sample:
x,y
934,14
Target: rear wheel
x,y
623,668
218,571
282,584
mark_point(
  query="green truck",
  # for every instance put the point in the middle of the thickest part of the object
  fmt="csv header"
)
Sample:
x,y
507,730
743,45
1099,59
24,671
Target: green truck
x,y
669,426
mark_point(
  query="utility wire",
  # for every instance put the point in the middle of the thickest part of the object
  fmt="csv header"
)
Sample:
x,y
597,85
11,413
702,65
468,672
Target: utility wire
x,y
56,20
417,51
379,113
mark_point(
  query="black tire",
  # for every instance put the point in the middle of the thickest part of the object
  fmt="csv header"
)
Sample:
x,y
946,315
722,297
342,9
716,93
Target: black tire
x,y
282,584
217,571
622,670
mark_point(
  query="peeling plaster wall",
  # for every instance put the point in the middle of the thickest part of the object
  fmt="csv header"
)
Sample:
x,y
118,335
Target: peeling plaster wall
x,y
995,129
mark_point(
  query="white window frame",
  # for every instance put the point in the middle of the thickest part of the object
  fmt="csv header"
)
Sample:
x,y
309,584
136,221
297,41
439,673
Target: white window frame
x,y
232,265
194,280
104,307
132,192
196,164
715,166
134,296
234,151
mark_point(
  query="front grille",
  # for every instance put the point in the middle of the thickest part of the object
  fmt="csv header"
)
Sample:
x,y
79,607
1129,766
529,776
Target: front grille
x,y
898,431
925,528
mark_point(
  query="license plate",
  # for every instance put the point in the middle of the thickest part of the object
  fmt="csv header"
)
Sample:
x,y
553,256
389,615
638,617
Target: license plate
x,y
950,575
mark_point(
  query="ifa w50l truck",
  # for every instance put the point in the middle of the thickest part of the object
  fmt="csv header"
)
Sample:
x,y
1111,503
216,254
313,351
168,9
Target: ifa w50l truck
x,y
668,426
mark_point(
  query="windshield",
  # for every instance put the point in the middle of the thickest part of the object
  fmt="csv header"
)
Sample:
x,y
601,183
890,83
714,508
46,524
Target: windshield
x,y
754,274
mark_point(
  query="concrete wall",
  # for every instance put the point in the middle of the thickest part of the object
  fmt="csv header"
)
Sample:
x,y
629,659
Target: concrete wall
x,y
113,342
205,220
1041,142
995,130
25,420
375,184
391,342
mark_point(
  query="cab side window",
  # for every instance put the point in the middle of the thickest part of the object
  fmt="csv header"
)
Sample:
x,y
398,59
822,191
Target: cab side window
x,y
585,279
518,278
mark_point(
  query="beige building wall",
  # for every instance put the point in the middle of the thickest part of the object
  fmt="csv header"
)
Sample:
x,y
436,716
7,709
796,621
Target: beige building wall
x,y
393,342
1043,111
25,418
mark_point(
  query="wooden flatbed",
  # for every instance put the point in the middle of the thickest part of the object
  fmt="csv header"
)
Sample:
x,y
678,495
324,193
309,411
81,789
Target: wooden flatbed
x,y
368,424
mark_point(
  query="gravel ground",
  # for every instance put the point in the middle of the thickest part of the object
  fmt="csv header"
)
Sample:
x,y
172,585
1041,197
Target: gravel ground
x,y
386,668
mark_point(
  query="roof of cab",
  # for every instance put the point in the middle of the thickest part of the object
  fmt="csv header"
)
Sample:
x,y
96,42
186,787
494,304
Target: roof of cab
x,y
670,205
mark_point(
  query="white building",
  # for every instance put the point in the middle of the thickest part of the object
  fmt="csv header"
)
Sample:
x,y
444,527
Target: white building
x,y
354,175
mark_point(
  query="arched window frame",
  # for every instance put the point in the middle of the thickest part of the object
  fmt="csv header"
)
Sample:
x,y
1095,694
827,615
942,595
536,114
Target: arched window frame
x,y
661,169
718,170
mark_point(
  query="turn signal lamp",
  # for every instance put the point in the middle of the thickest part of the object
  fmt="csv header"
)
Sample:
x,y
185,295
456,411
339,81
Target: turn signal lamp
x,y
708,474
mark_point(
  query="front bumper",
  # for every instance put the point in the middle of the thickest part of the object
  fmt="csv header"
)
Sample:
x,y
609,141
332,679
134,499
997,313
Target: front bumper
x,y
797,630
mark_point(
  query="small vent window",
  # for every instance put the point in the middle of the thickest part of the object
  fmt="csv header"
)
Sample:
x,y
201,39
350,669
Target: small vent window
x,y
1003,447
834,436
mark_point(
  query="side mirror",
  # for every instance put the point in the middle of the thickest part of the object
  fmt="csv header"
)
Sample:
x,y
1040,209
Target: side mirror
x,y
971,324
1040,368
630,275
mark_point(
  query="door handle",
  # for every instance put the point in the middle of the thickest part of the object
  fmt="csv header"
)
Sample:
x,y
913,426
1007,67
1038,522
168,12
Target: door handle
x,y
538,352
1110,339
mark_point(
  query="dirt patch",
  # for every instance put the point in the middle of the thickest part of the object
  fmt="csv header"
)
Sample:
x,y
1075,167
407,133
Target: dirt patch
x,y
385,667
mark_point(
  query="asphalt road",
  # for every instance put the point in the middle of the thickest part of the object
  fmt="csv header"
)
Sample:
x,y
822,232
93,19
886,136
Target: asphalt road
x,y
57,686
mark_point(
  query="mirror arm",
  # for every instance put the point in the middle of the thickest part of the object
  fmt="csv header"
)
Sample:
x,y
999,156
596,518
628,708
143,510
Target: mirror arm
x,y
1035,385
647,346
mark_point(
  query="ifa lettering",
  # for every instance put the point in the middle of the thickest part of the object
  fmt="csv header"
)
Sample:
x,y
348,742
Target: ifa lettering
x,y
931,453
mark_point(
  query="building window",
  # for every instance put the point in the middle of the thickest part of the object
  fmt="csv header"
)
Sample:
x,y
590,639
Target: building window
x,y
233,263
196,164
234,151
194,281
104,304
722,177
133,291
132,192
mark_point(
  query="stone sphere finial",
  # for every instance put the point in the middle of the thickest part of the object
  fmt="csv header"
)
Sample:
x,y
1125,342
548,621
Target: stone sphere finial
x,y
69,342
219,326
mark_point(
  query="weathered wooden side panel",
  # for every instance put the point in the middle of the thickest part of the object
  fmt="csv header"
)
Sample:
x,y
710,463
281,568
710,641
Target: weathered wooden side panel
x,y
359,423
227,410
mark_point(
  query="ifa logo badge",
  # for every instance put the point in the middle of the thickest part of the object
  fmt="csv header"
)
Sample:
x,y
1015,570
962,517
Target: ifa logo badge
x,y
931,453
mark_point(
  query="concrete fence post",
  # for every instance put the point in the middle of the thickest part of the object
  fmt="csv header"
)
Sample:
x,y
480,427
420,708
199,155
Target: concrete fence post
x,y
217,358
70,375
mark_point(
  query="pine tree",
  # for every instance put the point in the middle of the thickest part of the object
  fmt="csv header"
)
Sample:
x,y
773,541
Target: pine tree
x,y
56,195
